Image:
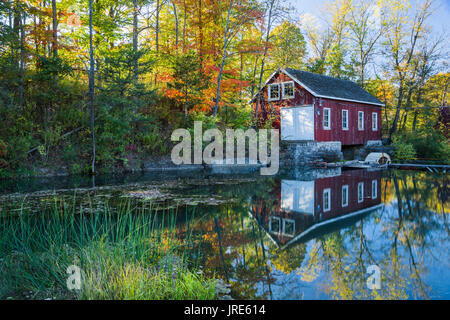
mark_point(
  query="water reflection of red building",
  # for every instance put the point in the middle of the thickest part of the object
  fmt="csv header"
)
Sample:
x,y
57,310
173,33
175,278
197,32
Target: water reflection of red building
x,y
303,207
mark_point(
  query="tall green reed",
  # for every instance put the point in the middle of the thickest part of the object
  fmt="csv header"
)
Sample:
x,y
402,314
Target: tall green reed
x,y
125,251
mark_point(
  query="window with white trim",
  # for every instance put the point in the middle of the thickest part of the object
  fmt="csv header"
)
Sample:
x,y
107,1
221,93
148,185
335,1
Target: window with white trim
x,y
361,192
344,119
360,120
326,118
288,227
275,225
274,92
327,200
288,90
374,189
345,195
374,121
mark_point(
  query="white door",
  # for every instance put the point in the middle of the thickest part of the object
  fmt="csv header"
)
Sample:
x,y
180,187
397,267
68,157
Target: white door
x,y
297,196
297,123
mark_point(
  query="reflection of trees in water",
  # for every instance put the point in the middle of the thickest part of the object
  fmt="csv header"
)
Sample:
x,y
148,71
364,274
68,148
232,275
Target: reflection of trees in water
x,y
398,238
400,254
420,213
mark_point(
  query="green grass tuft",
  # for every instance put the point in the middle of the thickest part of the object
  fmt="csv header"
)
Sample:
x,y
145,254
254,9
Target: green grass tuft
x,y
125,253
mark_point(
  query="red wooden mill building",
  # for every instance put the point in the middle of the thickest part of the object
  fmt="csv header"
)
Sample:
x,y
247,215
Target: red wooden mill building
x,y
322,109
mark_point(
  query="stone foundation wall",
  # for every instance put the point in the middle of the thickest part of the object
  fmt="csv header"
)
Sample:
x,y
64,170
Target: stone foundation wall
x,y
308,173
304,152
374,143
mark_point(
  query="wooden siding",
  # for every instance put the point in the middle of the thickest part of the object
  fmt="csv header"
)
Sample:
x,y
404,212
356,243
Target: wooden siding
x,y
265,210
352,136
351,178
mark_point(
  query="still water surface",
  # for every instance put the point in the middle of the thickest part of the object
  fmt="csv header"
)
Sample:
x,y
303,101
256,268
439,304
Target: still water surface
x,y
300,235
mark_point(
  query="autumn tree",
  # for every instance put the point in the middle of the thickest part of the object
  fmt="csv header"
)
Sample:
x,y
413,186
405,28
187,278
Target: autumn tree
x,y
319,42
365,29
188,81
288,46
274,11
401,41
239,12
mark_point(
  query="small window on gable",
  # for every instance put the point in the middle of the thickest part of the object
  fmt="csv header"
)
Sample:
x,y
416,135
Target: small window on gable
x,y
274,92
288,90
274,225
288,227
326,118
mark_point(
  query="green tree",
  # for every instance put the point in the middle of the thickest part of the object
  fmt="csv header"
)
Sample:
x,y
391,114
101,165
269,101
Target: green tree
x,y
288,46
188,81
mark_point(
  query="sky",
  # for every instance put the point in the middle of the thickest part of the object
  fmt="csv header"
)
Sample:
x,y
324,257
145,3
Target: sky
x,y
439,20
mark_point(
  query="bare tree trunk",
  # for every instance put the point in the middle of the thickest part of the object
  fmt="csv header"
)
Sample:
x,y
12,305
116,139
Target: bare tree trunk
x,y
263,61
416,111
444,92
414,121
11,25
224,57
408,106
135,50
157,25
200,32
254,76
158,9
91,86
405,120
397,112
135,41
22,19
254,84
184,26
176,24
16,31
55,30
240,75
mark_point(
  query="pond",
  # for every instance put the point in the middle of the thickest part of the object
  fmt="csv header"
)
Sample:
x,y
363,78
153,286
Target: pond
x,y
315,234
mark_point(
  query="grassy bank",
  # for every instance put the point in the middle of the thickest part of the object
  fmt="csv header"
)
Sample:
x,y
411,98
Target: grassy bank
x,y
123,253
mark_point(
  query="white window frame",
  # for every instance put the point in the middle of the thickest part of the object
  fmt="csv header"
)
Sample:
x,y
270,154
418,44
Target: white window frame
x,y
346,119
361,184
326,127
280,226
270,92
293,90
374,121
374,189
326,191
284,227
362,120
344,204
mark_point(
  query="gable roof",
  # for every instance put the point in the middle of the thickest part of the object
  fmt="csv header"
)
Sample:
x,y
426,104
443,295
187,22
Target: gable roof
x,y
332,88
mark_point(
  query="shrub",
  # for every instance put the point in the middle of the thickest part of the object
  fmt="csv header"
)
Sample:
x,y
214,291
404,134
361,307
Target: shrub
x,y
404,151
239,117
152,140
425,144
